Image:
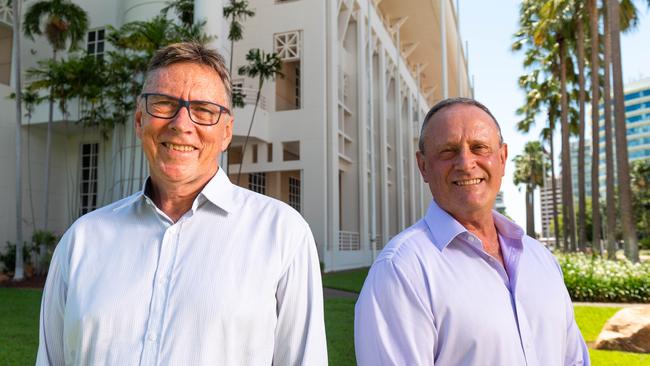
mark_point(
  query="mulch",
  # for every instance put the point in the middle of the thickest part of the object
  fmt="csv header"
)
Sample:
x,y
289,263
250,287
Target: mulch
x,y
34,282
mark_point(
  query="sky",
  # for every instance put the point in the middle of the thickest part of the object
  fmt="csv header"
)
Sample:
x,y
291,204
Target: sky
x,y
488,27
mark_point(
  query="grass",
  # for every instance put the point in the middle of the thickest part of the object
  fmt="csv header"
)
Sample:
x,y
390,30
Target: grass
x,y
339,325
348,280
19,327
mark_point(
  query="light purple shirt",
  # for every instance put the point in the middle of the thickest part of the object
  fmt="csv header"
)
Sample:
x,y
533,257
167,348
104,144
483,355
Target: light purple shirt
x,y
434,296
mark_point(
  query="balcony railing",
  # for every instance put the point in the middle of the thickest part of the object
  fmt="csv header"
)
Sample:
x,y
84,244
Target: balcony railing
x,y
249,96
349,240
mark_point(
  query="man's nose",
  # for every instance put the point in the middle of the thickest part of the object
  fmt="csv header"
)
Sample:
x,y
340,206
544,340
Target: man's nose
x,y
465,160
182,121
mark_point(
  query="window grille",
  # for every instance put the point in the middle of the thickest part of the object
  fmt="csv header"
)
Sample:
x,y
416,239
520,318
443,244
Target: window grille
x,y
88,181
294,193
287,45
257,182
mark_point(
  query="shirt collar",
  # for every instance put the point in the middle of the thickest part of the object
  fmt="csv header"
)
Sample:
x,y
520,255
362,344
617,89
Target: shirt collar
x,y
219,191
444,228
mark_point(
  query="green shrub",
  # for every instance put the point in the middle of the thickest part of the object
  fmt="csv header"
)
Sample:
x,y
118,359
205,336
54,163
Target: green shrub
x,y
592,278
8,257
644,243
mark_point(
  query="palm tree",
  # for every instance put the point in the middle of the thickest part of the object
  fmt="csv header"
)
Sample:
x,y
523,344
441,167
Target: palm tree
x,y
263,66
595,136
184,10
622,162
64,21
579,15
19,273
609,140
529,170
236,12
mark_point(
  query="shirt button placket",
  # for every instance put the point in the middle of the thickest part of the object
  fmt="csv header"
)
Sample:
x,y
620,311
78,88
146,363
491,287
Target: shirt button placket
x,y
160,291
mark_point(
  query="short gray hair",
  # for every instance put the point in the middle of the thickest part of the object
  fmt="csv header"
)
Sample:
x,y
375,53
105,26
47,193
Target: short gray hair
x,y
448,103
192,52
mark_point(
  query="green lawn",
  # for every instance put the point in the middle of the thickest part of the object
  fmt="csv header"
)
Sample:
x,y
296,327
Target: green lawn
x,y
347,280
19,328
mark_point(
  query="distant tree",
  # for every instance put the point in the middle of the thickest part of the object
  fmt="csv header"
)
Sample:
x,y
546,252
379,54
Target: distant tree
x,y
184,10
530,167
237,11
263,66
61,22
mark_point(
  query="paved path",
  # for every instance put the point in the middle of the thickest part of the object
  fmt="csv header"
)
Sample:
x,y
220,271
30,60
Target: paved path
x,y
609,304
330,293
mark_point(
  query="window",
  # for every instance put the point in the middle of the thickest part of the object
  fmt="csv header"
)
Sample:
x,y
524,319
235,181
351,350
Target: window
x,y
88,181
291,151
269,152
95,43
234,155
254,153
257,182
288,86
294,193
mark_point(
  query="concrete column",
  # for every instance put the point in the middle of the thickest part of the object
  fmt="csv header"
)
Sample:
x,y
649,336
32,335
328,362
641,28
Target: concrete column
x,y
410,159
371,123
362,131
332,236
399,138
443,48
383,154
211,11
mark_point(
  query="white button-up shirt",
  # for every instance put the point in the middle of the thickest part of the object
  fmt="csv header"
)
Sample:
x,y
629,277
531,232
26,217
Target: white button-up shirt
x,y
235,281
434,296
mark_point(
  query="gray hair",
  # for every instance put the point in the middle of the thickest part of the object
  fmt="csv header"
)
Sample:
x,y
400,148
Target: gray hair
x,y
448,103
192,52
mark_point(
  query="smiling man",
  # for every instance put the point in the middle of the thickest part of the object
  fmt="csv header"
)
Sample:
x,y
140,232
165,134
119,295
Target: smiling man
x,y
465,285
192,270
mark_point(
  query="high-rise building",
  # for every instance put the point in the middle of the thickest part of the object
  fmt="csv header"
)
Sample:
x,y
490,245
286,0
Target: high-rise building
x,y
546,205
637,120
334,137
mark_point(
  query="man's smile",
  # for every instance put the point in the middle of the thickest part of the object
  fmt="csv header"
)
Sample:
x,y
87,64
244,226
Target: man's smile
x,y
177,147
468,182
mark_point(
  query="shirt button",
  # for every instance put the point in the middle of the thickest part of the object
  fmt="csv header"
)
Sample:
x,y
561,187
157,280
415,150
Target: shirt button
x,y
152,337
470,238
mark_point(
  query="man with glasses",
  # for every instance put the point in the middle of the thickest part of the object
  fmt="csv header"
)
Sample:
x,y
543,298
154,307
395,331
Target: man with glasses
x,y
192,270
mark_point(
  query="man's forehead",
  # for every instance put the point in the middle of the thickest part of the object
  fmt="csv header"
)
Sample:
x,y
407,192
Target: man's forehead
x,y
458,120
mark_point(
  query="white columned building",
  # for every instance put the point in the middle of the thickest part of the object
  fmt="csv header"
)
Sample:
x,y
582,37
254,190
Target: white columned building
x,y
334,137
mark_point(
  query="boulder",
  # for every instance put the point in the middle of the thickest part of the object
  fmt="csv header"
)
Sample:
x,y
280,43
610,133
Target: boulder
x,y
628,330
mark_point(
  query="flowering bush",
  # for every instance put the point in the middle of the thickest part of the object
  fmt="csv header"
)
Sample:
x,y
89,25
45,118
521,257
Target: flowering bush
x,y
597,279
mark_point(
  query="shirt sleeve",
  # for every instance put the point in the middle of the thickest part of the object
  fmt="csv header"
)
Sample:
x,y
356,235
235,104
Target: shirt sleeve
x,y
577,353
50,342
300,329
393,325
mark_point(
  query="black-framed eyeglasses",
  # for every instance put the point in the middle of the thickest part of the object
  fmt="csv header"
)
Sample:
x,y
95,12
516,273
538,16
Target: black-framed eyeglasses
x,y
167,107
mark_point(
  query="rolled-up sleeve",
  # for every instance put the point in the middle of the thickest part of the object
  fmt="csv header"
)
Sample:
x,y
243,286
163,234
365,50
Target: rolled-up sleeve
x,y
50,344
393,325
300,330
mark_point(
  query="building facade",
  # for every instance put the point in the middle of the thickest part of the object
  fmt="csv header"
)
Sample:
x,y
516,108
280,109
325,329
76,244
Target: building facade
x,y
637,121
334,137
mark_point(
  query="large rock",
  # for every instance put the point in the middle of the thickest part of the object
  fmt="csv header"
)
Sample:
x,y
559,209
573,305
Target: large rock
x,y
628,330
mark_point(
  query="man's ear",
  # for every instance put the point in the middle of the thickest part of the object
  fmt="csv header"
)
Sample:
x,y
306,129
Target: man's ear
x,y
137,121
422,165
503,157
227,134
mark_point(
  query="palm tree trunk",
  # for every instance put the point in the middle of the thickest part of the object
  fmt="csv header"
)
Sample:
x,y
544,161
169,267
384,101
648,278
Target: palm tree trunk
x,y
19,273
567,189
582,207
556,225
250,127
530,219
609,148
595,134
623,168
